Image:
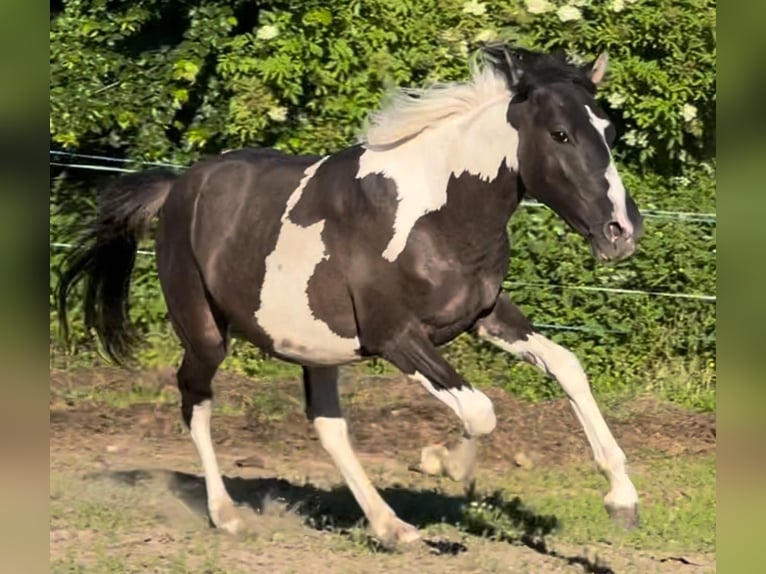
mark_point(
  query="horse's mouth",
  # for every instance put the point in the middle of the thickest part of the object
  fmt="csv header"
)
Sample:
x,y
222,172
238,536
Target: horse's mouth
x,y
608,252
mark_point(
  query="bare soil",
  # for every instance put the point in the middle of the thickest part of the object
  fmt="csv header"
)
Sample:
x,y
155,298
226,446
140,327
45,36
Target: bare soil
x,y
267,449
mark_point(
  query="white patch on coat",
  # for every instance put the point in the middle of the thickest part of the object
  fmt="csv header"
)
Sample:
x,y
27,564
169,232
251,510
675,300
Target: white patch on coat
x,y
285,313
616,191
419,143
473,407
564,366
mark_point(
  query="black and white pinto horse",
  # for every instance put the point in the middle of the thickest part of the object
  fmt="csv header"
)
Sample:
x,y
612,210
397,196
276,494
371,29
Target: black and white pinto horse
x,y
388,248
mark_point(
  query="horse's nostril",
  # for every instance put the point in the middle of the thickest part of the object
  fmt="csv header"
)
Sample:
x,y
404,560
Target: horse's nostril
x,y
613,231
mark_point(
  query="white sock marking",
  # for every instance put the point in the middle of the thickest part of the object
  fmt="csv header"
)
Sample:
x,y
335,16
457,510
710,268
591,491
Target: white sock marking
x,y
472,406
200,433
285,313
333,434
564,366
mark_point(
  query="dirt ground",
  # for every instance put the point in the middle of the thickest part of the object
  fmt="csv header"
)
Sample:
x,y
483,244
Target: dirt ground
x,y
267,449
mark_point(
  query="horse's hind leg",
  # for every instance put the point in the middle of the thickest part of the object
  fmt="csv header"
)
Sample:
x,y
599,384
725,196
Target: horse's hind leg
x,y
194,381
323,409
204,334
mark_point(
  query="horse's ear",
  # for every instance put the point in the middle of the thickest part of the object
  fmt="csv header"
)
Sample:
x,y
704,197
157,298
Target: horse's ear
x,y
514,71
506,60
598,70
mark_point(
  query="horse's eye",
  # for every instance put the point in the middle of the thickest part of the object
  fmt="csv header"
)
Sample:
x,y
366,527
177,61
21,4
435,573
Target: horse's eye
x,y
559,136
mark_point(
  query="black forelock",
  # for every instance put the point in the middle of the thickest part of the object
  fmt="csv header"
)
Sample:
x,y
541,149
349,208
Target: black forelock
x,y
537,69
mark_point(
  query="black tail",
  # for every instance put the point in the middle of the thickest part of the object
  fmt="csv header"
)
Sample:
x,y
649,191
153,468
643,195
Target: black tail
x,y
106,256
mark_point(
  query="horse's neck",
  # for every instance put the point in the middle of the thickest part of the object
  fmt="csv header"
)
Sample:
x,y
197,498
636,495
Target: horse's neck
x,y
481,147
478,143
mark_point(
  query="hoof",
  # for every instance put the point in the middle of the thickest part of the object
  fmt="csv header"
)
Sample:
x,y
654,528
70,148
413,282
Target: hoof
x,y
396,531
437,460
625,517
225,518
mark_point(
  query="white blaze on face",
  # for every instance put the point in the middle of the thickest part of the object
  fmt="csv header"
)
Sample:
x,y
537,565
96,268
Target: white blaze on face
x,y
421,167
285,313
616,191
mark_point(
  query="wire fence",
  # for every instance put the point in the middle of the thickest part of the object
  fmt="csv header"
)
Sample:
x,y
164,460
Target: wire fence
x,y
682,216
685,216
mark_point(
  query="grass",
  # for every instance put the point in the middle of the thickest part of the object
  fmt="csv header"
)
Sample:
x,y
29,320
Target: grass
x,y
677,504
119,398
690,384
687,383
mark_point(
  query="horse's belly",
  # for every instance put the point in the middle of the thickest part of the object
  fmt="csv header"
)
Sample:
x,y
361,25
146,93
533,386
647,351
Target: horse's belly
x,y
293,345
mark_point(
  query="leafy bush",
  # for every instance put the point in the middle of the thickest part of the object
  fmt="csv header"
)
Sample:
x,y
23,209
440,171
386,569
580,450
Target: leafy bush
x,y
173,80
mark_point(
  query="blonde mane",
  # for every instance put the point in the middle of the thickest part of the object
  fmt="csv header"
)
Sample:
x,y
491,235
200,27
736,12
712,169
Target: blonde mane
x,y
409,111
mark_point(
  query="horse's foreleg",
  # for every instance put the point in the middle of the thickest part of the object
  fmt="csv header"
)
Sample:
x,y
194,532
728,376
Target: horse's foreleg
x,y
420,361
508,329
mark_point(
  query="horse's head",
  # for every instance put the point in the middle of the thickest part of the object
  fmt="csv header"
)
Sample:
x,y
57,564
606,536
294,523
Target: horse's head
x,y
564,147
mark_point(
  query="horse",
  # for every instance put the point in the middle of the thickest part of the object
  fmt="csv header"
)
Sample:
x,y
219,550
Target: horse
x,y
389,248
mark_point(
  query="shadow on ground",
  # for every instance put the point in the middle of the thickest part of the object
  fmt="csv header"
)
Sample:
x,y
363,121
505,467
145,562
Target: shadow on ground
x,y
335,509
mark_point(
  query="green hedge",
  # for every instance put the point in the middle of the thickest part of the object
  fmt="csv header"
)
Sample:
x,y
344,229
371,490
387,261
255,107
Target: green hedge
x,y
151,80
171,80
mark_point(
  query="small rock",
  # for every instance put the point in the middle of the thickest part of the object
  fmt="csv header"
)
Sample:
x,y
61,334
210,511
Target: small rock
x,y
254,461
112,448
60,535
522,461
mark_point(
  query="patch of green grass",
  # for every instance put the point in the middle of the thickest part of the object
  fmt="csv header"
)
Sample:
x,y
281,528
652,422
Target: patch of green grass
x,y
104,560
120,397
689,384
98,510
274,405
687,381
677,505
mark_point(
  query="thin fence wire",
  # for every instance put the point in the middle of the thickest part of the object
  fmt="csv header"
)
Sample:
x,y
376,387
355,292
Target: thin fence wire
x,y
541,326
685,216
116,159
93,167
70,246
617,290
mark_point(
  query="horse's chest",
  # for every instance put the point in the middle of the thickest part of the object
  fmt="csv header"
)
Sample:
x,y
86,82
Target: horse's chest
x,y
469,297
453,287
455,303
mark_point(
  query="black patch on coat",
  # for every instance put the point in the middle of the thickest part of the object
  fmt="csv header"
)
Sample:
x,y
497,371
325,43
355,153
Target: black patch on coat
x,y
329,300
358,216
